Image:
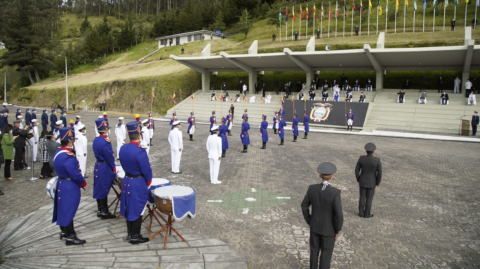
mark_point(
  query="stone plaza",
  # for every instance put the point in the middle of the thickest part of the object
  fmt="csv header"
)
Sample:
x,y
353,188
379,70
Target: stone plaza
x,y
426,209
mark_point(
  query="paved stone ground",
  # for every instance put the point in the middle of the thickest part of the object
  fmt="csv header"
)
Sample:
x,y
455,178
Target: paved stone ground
x,y
426,209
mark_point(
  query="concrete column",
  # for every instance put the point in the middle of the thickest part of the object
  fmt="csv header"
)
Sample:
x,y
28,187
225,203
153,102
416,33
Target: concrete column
x,y
205,81
379,81
310,77
465,77
252,78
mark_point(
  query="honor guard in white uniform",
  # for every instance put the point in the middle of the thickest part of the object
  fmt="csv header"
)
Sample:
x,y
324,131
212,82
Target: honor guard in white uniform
x,y
121,134
20,119
78,121
145,143
175,139
214,148
151,127
56,130
81,147
96,131
34,139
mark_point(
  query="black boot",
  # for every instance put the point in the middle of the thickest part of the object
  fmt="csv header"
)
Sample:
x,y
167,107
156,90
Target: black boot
x,y
71,236
306,134
263,145
223,153
129,231
104,214
191,137
274,131
151,142
136,237
244,149
99,207
62,233
281,142
229,133
294,138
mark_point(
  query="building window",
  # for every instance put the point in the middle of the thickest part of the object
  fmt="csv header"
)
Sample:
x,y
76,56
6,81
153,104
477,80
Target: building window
x,y
177,41
189,38
198,37
163,42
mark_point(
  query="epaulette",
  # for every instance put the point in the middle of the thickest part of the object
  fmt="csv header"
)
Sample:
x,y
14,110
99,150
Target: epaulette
x,y
337,189
108,140
69,153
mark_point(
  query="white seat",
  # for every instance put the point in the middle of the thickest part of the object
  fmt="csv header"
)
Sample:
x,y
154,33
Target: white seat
x,y
419,101
252,99
268,99
448,101
474,101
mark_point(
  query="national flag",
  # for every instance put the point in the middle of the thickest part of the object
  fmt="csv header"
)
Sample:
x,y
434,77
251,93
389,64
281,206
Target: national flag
x,y
379,8
231,98
280,16
435,3
193,96
425,3
370,4
361,7
306,13
354,8
281,98
293,13
286,14
323,15
455,2
337,11
466,1
314,12
406,6
397,5
153,95
345,8
293,99
244,97
174,96
301,13
221,97
415,4
387,8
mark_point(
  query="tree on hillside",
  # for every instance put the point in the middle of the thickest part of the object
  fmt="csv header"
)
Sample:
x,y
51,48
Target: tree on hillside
x,y
244,23
127,35
219,24
85,25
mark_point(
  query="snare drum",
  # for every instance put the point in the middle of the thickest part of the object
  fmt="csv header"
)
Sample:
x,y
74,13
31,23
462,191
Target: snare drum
x,y
52,187
119,176
157,183
175,200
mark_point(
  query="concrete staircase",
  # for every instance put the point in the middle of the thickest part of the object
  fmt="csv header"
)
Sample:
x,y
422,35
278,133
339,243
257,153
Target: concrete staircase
x,y
387,114
203,108
145,57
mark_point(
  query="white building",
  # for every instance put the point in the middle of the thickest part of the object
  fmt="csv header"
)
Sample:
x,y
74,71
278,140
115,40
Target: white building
x,y
183,38
2,45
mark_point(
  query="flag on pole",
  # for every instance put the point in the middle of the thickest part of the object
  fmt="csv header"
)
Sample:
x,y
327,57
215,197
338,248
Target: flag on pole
x,y
455,2
345,8
293,99
323,15
293,13
306,13
425,3
387,7
286,14
406,6
336,9
153,94
174,96
415,4
370,4
435,3
193,96
446,3
478,3
354,8
361,8
397,5
379,8
301,13
280,16
314,12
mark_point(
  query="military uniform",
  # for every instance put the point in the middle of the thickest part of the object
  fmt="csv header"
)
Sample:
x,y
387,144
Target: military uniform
x,y
229,123
264,132
67,194
213,120
138,177
350,118
44,120
306,124
104,173
281,130
244,136
222,133
81,143
174,118
191,126
326,219
53,119
63,118
275,123
146,137
120,134
175,139
475,121
369,174
295,128
28,117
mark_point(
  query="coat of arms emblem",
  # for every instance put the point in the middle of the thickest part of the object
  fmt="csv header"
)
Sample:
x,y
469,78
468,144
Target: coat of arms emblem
x,y
320,112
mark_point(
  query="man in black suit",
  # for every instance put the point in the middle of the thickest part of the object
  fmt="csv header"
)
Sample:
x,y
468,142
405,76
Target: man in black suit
x,y
440,84
20,144
444,98
326,220
369,174
475,121
224,87
240,87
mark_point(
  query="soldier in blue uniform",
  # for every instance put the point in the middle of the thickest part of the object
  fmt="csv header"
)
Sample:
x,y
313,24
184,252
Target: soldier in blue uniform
x,y
63,118
53,119
105,169
264,132
44,120
138,177
295,127
174,118
191,125
244,135
19,113
70,181
281,130
213,120
28,117
350,117
245,114
229,122
275,123
223,130
306,119
2,120
34,114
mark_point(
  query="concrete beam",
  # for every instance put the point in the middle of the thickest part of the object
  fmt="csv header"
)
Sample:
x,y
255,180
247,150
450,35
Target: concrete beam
x,y
236,62
205,81
194,67
311,44
206,51
468,58
376,65
468,34
253,48
305,67
381,40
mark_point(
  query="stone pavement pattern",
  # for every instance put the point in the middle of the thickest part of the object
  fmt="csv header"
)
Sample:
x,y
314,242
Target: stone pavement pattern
x,y
426,209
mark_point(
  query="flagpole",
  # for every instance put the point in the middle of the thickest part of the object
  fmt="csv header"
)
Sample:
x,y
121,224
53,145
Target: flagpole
x,y
352,23
465,15
344,15
475,22
368,30
300,28
280,31
151,104
321,26
404,13
286,29
423,17
306,26
433,19
336,22
396,13
361,11
293,22
444,10
314,15
377,18
386,17
414,20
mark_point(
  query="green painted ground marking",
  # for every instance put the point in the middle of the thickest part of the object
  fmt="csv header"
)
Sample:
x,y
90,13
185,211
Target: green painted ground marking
x,y
249,200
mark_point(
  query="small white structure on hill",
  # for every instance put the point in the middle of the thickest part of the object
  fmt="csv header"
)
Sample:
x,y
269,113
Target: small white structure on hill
x,y
2,45
183,38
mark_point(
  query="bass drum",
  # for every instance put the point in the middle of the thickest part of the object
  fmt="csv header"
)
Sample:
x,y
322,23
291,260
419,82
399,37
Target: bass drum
x,y
52,187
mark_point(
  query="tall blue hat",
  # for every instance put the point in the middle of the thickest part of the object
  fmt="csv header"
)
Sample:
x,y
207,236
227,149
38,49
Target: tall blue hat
x,y
134,127
67,134
44,110
101,124
224,119
53,110
264,117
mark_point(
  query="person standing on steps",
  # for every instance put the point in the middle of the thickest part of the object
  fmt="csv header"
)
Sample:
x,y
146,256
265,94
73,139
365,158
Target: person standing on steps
x,y
213,120
191,126
244,135
326,219
105,169
275,118
214,148
306,125
175,139
67,194
369,175
264,132
121,134
281,130
295,127
138,177
222,133
229,123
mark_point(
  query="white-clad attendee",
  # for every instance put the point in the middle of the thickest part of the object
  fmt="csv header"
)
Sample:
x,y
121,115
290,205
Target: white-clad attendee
x,y
468,87
81,147
56,130
175,139
472,99
96,131
20,119
244,88
78,121
456,85
34,139
121,134
214,148
145,143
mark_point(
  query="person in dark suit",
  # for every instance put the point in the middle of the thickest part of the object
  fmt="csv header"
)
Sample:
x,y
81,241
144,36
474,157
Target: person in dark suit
x,y
326,220
20,144
452,23
444,98
53,119
475,121
369,174
240,87
256,87
224,87
440,84
44,120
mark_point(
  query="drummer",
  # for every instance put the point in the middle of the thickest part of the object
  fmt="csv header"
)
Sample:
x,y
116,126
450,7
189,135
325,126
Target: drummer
x,y
104,172
70,180
138,176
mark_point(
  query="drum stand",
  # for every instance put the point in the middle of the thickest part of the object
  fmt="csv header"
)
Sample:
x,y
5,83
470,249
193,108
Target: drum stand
x,y
168,229
116,201
151,213
33,178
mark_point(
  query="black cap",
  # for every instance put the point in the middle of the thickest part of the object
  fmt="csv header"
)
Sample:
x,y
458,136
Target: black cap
x,y
370,147
326,168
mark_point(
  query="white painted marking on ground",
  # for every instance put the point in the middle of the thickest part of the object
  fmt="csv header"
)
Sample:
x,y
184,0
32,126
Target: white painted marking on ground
x,y
283,198
245,211
254,190
250,199
214,201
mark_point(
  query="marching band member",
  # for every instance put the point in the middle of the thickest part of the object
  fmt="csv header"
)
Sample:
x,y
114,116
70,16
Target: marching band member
x,y
229,123
213,120
295,127
264,132
244,135
121,134
275,123
306,120
81,147
350,118
175,139
222,133
191,126
96,131
281,131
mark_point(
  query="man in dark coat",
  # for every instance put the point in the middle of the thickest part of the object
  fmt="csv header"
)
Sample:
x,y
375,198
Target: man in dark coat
x,y
20,144
44,120
53,119
369,174
326,219
475,121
